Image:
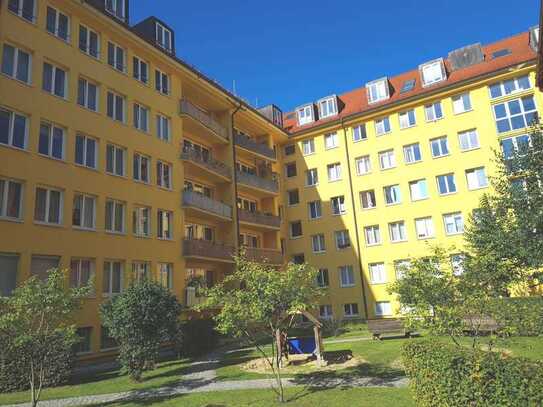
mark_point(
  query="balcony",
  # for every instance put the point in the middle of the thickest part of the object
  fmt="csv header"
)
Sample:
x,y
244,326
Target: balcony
x,y
192,299
270,256
265,186
202,203
251,145
207,163
204,121
207,250
264,220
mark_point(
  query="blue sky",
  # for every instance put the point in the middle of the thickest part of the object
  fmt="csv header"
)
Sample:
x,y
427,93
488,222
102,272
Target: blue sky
x,y
293,52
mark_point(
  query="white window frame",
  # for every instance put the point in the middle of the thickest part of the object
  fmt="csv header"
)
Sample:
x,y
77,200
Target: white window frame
x,y
459,103
517,87
165,34
397,231
318,209
291,224
394,192
114,6
54,69
288,197
114,163
342,239
20,10
164,233
327,107
92,271
86,84
314,178
83,210
407,119
378,273
476,171
87,44
372,235
508,116
308,146
164,175
381,312
115,63
377,90
400,266
359,133
12,116
382,126
4,199
390,159
48,191
51,128
138,161
165,275
450,188
441,152
108,272
115,203
418,196
116,96
305,114
455,216
163,128
320,277
431,113
289,165
351,310
341,206
328,313
348,272
409,152
362,199
429,230
137,73
331,141
85,139
436,64
334,172
15,75
318,243
161,79
365,162
141,117
466,138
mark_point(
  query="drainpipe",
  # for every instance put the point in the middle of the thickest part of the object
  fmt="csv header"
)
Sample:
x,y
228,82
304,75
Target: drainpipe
x,y
357,235
235,176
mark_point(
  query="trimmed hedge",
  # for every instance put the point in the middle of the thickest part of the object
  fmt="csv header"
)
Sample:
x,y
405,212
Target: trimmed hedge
x,y
444,375
198,337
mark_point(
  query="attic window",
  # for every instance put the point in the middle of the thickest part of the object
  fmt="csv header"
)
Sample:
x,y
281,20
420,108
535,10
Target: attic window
x,y
408,85
305,115
116,7
433,72
163,37
501,53
378,90
327,107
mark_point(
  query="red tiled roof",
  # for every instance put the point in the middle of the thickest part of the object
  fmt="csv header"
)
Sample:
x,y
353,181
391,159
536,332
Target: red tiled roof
x,y
355,101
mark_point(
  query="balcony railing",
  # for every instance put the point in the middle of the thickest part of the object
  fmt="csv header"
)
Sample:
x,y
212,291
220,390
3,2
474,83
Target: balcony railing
x,y
270,256
192,299
257,182
207,249
251,145
259,218
203,118
200,201
219,167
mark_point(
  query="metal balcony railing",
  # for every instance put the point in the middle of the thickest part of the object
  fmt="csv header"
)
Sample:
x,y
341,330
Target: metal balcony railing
x,y
197,157
251,145
208,249
259,255
200,201
186,107
257,182
259,218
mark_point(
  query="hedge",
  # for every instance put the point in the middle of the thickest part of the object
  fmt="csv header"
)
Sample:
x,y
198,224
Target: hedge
x,y
198,337
523,314
445,375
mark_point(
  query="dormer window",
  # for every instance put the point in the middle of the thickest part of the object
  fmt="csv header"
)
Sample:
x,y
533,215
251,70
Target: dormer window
x,y
378,90
163,37
327,107
305,115
117,8
432,72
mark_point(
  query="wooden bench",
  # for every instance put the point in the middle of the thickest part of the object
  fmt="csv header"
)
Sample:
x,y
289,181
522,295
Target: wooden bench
x,y
387,326
481,324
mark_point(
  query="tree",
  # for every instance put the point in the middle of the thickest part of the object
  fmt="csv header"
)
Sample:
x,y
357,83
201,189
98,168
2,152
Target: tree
x,y
257,300
141,319
35,326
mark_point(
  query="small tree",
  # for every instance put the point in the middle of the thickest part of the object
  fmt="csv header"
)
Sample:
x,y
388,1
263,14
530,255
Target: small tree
x,y
257,300
140,319
35,326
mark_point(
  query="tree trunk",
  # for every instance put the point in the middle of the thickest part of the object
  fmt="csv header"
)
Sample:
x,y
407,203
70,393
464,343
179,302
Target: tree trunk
x,y
278,363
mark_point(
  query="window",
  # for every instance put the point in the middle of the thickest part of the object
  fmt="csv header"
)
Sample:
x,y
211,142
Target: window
x,y
115,159
305,115
342,239
334,172
476,178
141,117
383,308
392,194
433,72
338,205
515,145
418,190
112,278
433,112
377,90
368,199
298,258
397,231
501,53
140,70
515,114
55,80
325,311
116,7
48,207
330,141
382,126
115,215
378,273
116,57
359,133
408,86
454,223
11,199
295,229
400,267
248,240
461,103
439,147
317,241
85,151
290,149
372,235
407,119
510,86
164,175
84,343
164,224
51,142
315,210
363,165
163,127
425,228
16,63
87,94
165,275
293,197
107,342
387,159
247,204
323,279
308,146
199,232
346,276
41,265
162,82
163,37
411,153
446,184
23,8
468,140
350,310
89,41
291,170
327,107
457,264
13,129
81,272
311,177
116,106
141,168
84,211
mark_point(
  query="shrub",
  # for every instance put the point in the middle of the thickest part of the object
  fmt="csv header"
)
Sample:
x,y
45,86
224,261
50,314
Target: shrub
x,y
198,337
523,314
444,375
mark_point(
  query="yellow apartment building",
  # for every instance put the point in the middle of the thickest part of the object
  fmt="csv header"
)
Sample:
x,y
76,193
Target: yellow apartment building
x,y
119,161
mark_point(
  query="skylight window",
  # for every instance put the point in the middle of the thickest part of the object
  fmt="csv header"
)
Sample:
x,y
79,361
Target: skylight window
x,y
305,115
378,90
408,85
327,107
501,53
432,72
